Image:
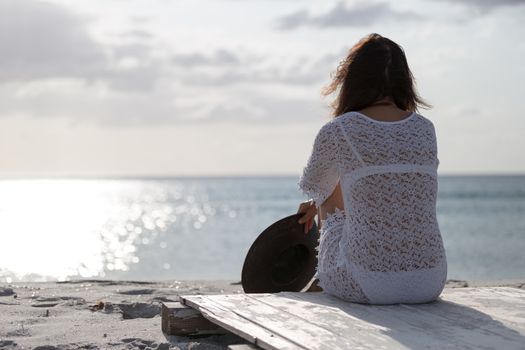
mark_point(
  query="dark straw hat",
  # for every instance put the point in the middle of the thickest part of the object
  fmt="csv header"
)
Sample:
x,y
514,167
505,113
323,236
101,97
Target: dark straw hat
x,y
282,258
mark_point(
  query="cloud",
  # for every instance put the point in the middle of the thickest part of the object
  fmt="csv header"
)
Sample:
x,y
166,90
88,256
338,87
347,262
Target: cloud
x,y
41,41
256,108
82,105
52,67
219,57
228,67
488,5
342,15
138,34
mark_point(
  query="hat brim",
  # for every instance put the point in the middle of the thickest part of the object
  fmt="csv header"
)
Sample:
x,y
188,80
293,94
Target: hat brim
x,y
282,258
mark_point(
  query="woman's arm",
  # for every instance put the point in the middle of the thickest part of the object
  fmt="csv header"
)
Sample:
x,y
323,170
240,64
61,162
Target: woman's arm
x,y
335,200
310,211
320,176
321,173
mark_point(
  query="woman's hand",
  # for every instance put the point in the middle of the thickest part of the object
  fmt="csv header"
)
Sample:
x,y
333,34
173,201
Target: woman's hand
x,y
310,211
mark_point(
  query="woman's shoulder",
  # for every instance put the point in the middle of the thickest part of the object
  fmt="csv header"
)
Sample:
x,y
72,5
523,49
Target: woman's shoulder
x,y
426,122
329,125
356,117
357,120
424,119
328,129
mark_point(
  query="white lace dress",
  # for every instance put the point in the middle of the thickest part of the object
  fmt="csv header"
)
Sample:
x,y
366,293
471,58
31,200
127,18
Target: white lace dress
x,y
385,247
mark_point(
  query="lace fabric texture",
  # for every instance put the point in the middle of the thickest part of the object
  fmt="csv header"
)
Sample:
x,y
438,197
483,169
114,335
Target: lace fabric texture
x,y
333,275
385,247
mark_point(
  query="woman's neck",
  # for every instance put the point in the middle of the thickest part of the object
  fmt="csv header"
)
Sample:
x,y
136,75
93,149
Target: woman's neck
x,y
385,101
384,110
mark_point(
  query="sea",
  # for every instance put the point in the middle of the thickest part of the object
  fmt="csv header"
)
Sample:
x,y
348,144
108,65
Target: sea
x,y
200,228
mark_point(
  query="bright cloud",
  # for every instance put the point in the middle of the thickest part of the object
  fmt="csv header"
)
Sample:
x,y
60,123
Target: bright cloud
x,y
344,15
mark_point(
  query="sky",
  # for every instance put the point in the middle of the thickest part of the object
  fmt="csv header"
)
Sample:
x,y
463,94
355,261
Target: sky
x,y
231,87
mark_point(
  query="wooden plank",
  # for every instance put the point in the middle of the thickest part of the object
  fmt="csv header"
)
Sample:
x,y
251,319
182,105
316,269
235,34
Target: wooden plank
x,y
376,327
505,294
434,325
300,331
508,291
505,304
463,318
344,327
178,319
236,324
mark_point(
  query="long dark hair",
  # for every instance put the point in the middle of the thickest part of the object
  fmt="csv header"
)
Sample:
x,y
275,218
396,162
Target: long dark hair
x,y
375,68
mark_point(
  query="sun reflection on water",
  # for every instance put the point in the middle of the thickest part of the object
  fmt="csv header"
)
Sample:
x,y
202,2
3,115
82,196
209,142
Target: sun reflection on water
x,y
62,228
47,227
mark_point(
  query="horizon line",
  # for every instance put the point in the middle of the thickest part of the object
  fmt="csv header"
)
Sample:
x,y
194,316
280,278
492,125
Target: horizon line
x,y
212,176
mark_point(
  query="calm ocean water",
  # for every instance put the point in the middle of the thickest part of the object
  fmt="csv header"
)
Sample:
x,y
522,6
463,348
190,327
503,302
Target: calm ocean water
x,y
201,228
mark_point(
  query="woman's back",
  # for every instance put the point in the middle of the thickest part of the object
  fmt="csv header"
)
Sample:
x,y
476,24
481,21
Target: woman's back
x,y
388,178
389,185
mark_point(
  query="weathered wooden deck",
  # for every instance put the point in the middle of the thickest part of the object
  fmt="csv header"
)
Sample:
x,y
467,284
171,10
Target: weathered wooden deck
x,y
463,318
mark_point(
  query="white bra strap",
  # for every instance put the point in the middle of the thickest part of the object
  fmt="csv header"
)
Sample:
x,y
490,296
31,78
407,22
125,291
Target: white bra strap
x,y
357,174
354,151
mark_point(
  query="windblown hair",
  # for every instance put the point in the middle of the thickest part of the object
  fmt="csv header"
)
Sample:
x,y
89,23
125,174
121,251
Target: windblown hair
x,y
375,68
